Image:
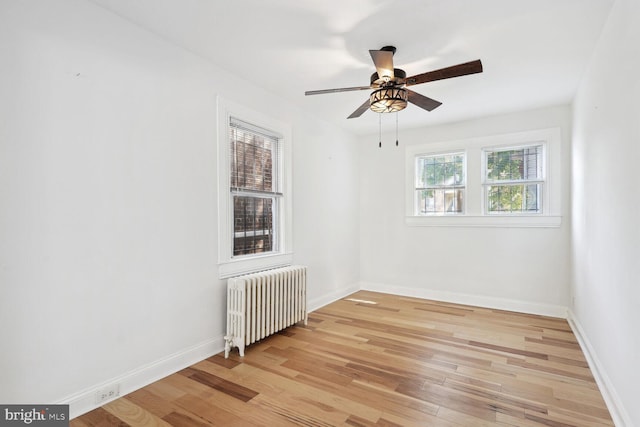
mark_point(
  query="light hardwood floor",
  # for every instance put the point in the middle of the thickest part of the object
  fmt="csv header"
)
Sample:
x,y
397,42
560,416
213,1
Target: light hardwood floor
x,y
373,359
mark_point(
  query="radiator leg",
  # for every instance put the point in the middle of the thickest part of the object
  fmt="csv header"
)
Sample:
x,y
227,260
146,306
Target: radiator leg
x,y
241,349
230,342
227,345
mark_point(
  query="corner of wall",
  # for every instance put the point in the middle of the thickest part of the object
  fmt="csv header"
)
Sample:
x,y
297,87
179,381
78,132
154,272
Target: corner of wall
x,y
333,296
618,413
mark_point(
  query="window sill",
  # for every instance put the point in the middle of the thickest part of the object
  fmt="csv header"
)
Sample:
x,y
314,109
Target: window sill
x,y
516,221
246,265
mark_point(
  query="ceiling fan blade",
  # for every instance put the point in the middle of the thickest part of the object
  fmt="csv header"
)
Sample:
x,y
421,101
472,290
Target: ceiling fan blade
x,y
423,101
383,60
446,73
361,109
343,89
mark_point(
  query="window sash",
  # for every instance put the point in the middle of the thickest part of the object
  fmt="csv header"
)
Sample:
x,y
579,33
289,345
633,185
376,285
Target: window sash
x,y
448,163
443,201
254,230
524,200
254,158
511,153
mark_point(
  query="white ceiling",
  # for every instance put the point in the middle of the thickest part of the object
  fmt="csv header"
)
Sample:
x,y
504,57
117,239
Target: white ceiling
x,y
533,52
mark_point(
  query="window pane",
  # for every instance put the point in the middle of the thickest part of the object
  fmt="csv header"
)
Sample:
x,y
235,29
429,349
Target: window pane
x,y
252,160
517,164
443,170
523,198
253,225
439,201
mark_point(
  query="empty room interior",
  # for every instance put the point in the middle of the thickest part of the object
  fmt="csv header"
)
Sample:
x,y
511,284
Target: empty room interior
x,y
454,179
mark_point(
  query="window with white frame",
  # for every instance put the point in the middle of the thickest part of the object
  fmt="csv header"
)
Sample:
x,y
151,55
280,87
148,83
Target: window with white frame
x,y
507,180
440,184
513,181
254,191
254,185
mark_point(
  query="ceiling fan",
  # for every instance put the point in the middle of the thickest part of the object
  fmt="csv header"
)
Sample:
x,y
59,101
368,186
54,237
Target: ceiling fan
x,y
389,84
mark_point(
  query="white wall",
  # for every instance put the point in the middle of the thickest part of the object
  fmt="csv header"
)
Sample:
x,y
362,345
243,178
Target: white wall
x,y
606,209
108,188
326,208
518,268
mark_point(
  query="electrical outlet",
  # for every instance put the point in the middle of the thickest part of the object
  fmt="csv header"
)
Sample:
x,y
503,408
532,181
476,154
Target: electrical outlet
x,y
107,393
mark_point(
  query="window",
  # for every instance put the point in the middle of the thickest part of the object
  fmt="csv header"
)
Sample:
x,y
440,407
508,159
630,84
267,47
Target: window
x,y
513,180
508,180
440,184
254,191
254,187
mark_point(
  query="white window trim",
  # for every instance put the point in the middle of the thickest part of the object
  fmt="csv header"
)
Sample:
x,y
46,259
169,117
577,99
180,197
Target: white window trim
x,y
474,194
228,265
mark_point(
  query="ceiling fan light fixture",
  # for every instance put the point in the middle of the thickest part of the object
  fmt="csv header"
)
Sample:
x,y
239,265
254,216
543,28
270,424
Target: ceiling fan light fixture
x,y
388,100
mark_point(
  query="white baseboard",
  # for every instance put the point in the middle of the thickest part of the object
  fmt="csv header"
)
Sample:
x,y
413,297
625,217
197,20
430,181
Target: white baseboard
x,y
618,413
85,401
467,299
334,296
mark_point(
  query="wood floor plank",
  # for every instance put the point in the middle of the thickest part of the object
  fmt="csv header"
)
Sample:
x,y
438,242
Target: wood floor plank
x,y
145,398
177,419
374,359
98,417
232,389
133,414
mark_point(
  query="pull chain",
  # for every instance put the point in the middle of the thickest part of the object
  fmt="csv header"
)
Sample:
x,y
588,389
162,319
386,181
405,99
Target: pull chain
x,y
380,129
396,129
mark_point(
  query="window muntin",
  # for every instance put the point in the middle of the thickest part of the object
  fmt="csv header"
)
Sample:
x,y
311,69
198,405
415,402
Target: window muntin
x,y
254,188
514,180
439,184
